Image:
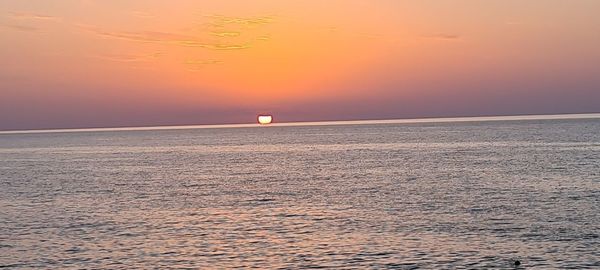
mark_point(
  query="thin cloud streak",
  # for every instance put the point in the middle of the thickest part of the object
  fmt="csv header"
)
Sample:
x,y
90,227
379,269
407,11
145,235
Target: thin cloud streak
x,y
218,47
198,65
21,28
226,34
443,36
144,36
129,58
31,16
143,15
172,38
220,20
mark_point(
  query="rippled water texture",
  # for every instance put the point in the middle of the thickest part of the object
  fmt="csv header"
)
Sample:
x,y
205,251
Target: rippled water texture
x,y
399,196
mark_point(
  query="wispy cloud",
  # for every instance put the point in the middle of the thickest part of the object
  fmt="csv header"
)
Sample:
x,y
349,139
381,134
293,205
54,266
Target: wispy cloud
x,y
140,36
264,38
220,20
369,35
22,28
129,58
30,16
143,36
164,37
226,34
212,39
214,46
331,29
143,14
443,36
198,65
21,18
203,62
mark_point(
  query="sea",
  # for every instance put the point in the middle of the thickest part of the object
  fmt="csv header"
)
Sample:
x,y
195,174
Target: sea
x,y
477,193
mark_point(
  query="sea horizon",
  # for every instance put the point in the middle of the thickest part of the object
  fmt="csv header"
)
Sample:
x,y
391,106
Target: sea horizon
x,y
519,117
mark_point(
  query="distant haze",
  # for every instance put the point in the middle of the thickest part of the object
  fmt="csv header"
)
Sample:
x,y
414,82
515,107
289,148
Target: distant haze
x,y
96,63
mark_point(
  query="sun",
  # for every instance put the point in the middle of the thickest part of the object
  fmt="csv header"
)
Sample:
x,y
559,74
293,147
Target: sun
x,y
265,119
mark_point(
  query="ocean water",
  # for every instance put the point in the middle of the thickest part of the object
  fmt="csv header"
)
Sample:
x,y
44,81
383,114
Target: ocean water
x,y
464,195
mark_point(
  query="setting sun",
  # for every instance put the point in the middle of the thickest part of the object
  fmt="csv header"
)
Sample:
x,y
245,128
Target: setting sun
x,y
265,119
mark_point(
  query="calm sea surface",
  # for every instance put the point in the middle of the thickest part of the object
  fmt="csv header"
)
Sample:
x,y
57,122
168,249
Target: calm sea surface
x,y
396,196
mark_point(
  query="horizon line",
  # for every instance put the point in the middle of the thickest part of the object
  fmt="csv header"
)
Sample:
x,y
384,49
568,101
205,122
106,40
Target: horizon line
x,y
320,123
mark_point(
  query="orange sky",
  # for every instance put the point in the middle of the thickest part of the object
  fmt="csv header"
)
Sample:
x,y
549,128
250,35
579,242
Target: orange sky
x,y
86,63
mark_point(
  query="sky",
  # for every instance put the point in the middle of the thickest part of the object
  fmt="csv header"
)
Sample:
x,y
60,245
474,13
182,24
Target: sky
x,y
114,63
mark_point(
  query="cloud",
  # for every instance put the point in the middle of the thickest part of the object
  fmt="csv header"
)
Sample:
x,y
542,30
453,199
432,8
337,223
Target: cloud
x,y
170,38
31,16
331,29
226,34
213,46
264,38
130,58
22,16
143,36
220,20
369,35
140,36
197,65
143,14
443,36
22,28
203,62
188,39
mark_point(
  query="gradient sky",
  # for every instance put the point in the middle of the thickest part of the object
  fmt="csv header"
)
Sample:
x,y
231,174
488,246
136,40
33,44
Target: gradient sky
x,y
104,63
